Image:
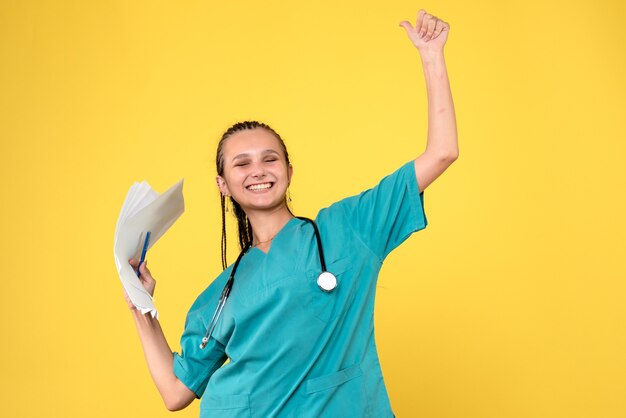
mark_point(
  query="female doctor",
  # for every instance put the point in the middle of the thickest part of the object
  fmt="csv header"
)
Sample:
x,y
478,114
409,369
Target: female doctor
x,y
294,313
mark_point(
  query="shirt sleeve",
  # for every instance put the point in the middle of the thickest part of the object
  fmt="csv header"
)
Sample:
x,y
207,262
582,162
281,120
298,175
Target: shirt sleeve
x,y
194,365
384,216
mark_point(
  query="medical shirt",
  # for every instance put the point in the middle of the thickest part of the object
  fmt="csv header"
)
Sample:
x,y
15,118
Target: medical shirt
x,y
294,350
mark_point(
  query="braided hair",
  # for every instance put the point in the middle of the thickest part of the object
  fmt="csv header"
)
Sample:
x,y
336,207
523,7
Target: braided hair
x,y
243,223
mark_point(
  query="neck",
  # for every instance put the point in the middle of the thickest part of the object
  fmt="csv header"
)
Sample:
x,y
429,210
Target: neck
x,y
265,225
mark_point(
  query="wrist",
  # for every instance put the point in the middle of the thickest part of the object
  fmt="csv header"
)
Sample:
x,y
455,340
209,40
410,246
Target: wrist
x,y
432,57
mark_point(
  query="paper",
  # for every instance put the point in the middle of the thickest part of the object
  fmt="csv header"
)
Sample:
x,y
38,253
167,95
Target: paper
x,y
143,210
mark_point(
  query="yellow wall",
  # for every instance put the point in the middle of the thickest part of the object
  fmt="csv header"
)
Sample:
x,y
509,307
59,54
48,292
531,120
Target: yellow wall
x,y
510,304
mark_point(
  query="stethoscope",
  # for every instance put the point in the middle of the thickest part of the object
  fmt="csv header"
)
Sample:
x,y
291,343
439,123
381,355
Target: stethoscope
x,y
326,281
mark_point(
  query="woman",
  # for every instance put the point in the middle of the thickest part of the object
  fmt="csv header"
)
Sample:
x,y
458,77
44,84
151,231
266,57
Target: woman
x,y
300,343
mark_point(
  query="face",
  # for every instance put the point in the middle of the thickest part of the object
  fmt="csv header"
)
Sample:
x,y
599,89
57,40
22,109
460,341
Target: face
x,y
256,174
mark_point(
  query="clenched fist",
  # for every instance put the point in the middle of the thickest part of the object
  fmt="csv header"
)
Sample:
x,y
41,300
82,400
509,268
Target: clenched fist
x,y
429,34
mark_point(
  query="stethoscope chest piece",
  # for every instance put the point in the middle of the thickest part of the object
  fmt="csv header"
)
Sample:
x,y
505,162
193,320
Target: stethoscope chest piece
x,y
327,281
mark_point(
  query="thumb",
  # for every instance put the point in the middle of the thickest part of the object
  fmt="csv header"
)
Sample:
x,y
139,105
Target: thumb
x,y
406,25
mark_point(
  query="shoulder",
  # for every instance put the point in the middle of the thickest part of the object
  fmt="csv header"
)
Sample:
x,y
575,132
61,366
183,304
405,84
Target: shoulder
x,y
381,217
403,177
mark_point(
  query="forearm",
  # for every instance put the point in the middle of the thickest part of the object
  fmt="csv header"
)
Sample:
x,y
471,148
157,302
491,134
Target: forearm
x,y
442,131
160,361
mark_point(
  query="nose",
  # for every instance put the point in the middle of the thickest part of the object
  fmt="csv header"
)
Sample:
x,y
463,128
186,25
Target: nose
x,y
258,171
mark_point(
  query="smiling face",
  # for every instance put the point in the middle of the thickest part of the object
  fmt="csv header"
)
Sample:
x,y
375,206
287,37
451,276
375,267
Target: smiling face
x,y
256,173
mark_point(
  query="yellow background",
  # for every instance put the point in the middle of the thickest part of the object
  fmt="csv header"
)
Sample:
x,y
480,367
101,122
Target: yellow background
x,y
511,302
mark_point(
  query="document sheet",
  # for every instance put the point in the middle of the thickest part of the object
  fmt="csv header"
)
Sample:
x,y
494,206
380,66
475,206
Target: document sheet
x,y
143,210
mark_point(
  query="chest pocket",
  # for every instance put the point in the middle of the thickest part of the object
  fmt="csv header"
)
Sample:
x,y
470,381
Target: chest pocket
x,y
326,306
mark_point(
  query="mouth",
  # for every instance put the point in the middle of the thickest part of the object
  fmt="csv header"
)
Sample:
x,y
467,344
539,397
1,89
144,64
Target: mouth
x,y
260,187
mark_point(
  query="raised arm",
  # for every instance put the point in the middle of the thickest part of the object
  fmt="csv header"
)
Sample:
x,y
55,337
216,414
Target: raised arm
x,y
429,37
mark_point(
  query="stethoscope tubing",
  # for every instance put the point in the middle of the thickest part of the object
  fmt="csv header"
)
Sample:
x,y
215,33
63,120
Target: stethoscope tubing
x,y
229,284
320,250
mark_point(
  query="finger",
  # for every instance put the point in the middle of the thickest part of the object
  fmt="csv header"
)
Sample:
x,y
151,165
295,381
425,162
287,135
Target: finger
x,y
146,276
431,28
406,25
438,28
420,18
425,22
143,268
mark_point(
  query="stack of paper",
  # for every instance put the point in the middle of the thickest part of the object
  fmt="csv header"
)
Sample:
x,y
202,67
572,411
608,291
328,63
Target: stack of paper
x,y
143,210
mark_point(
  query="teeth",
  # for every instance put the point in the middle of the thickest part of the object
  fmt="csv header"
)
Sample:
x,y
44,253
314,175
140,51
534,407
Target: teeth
x,y
260,186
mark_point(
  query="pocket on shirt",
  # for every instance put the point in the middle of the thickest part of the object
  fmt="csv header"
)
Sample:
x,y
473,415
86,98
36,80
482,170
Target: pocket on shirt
x,y
332,380
338,394
326,306
225,406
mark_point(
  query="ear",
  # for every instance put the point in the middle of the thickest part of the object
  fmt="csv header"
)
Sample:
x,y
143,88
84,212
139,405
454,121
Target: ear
x,y
290,173
221,184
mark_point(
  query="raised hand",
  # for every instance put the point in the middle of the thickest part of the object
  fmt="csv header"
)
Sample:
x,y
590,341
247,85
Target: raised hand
x,y
429,34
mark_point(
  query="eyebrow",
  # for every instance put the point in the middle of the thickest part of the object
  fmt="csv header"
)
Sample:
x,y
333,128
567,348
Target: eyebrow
x,y
264,152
